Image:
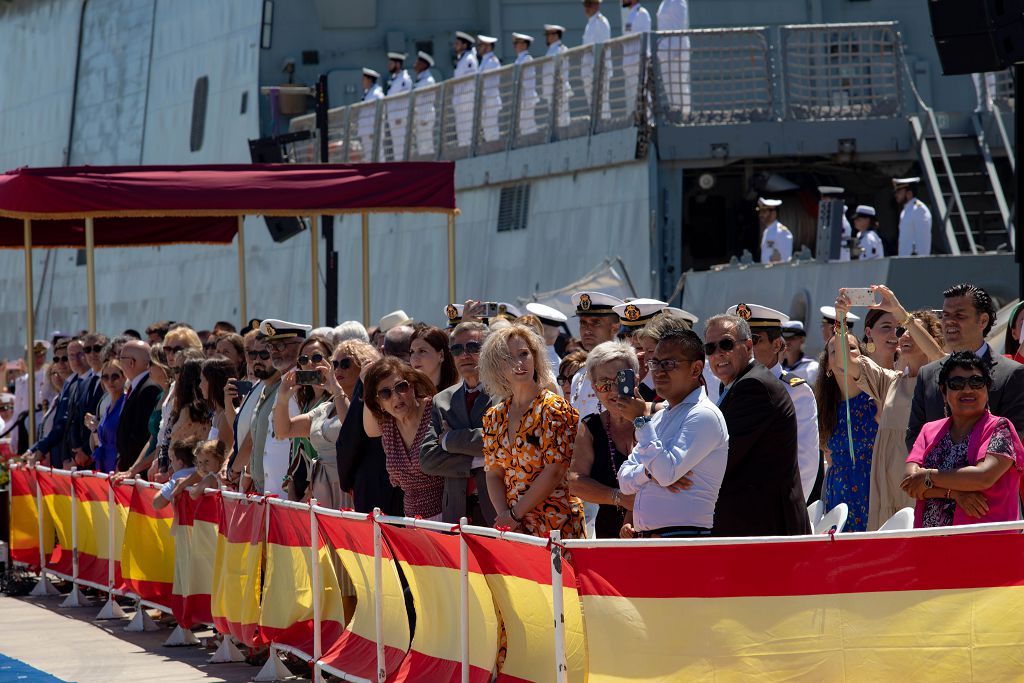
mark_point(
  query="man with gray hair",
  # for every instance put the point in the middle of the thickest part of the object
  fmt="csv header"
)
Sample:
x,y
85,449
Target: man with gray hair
x,y
761,494
453,446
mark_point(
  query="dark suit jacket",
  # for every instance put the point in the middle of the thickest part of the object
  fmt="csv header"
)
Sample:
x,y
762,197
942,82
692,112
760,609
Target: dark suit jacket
x,y
133,428
465,441
361,464
53,442
85,400
1005,397
761,494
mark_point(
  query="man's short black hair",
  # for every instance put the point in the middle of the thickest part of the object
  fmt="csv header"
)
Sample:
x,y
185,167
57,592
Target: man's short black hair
x,y
134,334
980,299
688,341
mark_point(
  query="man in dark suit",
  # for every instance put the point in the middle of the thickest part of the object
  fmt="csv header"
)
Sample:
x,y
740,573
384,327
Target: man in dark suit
x,y
87,361
453,446
141,396
52,445
967,317
761,494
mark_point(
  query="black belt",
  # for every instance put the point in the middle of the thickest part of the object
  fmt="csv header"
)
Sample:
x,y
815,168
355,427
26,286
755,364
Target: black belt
x,y
674,532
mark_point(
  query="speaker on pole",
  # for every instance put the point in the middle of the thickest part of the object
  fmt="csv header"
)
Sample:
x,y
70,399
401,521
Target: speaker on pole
x,y
975,36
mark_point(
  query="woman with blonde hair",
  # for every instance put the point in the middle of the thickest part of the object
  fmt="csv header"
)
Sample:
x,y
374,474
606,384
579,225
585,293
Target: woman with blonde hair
x,y
528,437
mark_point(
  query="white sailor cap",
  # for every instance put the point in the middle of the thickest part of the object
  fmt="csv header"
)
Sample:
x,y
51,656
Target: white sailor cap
x,y
462,35
898,183
829,190
425,57
763,203
553,28
393,319
486,40
681,313
828,316
793,328
546,314
523,37
400,56
272,329
507,310
758,316
371,73
594,303
454,314
637,312
7,399
865,210
40,346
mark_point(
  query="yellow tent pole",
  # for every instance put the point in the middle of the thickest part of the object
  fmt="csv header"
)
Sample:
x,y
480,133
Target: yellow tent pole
x,y
314,254
366,269
242,303
451,258
90,271
29,336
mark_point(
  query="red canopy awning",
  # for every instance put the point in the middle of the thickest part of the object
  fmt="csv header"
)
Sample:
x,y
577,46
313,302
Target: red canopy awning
x,y
149,205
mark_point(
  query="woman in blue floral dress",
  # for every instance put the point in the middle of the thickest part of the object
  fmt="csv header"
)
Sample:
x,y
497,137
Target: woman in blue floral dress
x,y
848,477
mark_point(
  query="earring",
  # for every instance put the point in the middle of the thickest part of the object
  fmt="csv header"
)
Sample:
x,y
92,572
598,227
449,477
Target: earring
x,y
946,410
870,347
828,373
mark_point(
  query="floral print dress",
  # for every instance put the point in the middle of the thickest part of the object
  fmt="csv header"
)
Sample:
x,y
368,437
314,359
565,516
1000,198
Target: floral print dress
x,y
847,479
545,436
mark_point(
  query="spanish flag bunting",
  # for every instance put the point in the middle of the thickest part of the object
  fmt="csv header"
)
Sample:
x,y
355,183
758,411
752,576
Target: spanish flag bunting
x,y
937,608
195,550
430,563
92,501
122,506
519,577
56,490
355,652
237,573
25,520
147,555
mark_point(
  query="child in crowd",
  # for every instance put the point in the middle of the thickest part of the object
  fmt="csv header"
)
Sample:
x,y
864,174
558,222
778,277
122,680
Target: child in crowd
x,y
183,459
210,456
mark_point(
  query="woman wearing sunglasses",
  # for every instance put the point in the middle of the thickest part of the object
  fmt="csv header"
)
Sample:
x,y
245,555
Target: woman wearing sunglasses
x,y
965,468
398,402
104,426
919,335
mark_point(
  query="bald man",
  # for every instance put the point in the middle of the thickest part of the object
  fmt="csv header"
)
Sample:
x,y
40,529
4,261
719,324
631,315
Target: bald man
x,y
141,396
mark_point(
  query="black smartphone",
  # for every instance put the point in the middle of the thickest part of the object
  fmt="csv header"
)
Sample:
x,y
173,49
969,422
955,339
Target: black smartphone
x,y
243,387
308,377
626,380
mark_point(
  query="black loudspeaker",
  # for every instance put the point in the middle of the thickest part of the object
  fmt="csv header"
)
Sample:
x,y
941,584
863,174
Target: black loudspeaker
x,y
268,151
974,36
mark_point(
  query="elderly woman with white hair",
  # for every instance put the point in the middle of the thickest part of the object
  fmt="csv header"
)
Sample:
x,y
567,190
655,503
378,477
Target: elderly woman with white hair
x,y
351,329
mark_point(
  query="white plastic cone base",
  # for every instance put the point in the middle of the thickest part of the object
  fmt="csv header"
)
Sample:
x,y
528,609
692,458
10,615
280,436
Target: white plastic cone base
x,y
75,599
273,670
181,637
44,588
226,653
111,610
141,622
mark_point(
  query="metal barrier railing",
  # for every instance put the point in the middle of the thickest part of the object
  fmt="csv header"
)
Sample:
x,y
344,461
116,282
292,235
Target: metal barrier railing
x,y
623,82
428,104
534,100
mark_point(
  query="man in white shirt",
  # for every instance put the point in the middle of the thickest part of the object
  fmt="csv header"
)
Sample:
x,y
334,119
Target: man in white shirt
x,y
398,107
425,108
598,324
366,122
674,54
521,42
776,239
491,101
688,440
553,35
598,30
464,94
635,20
915,219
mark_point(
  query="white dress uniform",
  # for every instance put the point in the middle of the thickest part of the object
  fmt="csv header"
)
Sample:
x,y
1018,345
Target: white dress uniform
x,y
548,79
528,95
425,115
844,251
806,406
776,244
582,395
806,369
598,30
397,111
915,229
636,20
674,53
365,122
491,103
463,96
871,245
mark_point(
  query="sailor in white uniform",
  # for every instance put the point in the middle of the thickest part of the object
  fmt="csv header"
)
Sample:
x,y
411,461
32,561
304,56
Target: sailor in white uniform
x,y
793,359
491,101
635,20
44,393
453,312
674,54
776,239
598,324
425,109
553,35
367,115
398,107
464,94
915,219
528,84
836,193
870,243
598,30
766,330
553,320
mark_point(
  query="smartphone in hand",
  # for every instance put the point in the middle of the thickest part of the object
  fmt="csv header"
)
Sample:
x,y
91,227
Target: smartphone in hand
x,y
626,382
308,378
243,387
862,296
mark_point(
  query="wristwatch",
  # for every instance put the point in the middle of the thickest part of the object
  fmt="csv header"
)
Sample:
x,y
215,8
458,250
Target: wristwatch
x,y
639,422
928,480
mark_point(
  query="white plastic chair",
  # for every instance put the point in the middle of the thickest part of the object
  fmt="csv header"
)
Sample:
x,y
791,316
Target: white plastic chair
x,y
815,511
836,517
902,520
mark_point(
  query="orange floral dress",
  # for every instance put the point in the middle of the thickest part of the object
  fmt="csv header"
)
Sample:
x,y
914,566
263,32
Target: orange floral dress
x,y
544,436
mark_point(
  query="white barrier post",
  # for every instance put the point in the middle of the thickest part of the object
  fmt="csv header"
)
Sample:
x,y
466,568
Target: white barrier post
x,y
464,600
378,598
44,587
111,610
561,667
75,597
314,543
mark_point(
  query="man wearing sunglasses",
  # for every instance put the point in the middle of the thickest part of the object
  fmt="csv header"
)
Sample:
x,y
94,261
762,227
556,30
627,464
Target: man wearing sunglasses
x,y
598,324
52,443
453,446
761,494
86,396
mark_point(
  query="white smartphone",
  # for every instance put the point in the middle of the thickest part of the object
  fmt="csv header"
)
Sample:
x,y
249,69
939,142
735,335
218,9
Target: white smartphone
x,y
862,296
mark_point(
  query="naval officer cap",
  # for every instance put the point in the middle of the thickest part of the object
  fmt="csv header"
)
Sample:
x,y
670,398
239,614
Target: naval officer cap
x,y
793,328
397,56
454,314
900,183
371,73
865,210
486,40
425,57
768,204
523,37
507,310
546,314
272,330
830,190
759,317
40,346
594,303
554,28
462,35
636,313
681,313
828,316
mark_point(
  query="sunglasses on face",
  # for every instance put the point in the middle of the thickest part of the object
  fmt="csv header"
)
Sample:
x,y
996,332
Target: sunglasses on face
x,y
60,359
724,344
315,359
173,349
93,349
562,379
112,377
262,355
472,348
343,364
386,393
961,383
7,406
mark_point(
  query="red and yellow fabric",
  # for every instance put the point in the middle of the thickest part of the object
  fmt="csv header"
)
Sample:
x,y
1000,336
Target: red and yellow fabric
x,y
939,608
92,501
147,555
195,550
355,652
237,571
286,614
430,563
122,506
56,490
519,577
25,520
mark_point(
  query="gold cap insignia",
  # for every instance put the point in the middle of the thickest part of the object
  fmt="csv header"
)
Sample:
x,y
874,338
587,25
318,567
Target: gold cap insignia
x,y
585,302
451,312
270,330
632,313
502,309
743,311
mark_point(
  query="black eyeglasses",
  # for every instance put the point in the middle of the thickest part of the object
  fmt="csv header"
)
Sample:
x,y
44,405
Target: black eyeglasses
x,y
93,349
386,393
724,344
173,349
343,364
112,377
262,355
315,358
961,383
667,365
60,359
472,348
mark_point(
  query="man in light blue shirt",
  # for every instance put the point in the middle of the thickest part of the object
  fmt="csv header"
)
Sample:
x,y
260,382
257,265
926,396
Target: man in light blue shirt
x,y
688,439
